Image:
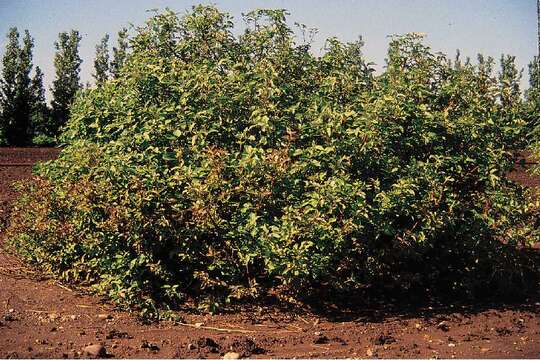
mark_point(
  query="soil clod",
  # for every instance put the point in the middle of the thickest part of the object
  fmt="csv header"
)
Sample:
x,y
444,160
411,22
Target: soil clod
x,y
231,356
96,350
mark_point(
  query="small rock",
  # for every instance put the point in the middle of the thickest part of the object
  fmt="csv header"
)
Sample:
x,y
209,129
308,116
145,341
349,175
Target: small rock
x,y
451,345
369,352
9,317
95,350
150,346
199,324
208,343
53,316
73,317
484,349
321,340
231,356
190,346
418,326
105,316
443,326
384,339
53,329
115,334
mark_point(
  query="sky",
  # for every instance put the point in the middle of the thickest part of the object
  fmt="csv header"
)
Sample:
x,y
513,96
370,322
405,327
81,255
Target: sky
x,y
491,27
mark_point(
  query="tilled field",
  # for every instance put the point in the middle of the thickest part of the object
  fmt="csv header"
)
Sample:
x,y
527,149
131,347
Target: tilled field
x,y
41,318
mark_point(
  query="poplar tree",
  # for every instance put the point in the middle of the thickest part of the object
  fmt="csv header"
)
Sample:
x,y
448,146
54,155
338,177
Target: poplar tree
x,y
67,63
119,53
101,61
538,29
7,82
16,91
40,113
19,133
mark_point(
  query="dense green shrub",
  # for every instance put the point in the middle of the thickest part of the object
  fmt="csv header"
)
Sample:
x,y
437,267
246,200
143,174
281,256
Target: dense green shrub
x,y
221,166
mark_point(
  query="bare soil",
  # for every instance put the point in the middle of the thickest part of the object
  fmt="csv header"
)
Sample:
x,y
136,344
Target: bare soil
x,y
41,318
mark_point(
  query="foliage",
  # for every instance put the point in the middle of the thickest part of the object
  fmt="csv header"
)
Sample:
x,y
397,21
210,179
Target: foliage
x,y
533,109
25,115
41,119
533,93
8,86
67,65
120,53
510,97
509,79
16,90
219,166
101,61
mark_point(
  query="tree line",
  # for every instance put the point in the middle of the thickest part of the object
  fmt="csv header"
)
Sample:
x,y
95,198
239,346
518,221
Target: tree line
x,y
25,117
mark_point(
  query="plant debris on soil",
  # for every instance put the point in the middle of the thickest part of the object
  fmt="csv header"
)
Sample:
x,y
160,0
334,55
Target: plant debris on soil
x,y
42,318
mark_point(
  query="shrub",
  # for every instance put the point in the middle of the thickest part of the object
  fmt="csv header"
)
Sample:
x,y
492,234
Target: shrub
x,y
218,167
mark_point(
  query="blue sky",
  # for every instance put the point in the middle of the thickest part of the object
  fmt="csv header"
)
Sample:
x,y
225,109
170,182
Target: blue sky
x,y
491,27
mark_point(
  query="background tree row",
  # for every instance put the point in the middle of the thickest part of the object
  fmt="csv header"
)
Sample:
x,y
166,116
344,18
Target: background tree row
x,y
25,117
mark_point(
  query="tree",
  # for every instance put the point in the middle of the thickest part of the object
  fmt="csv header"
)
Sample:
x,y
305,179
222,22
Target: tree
x,y
101,62
16,99
67,63
8,86
40,120
119,53
20,130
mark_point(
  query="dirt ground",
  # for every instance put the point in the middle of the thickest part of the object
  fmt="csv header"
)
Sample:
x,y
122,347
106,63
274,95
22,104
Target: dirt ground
x,y
41,318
